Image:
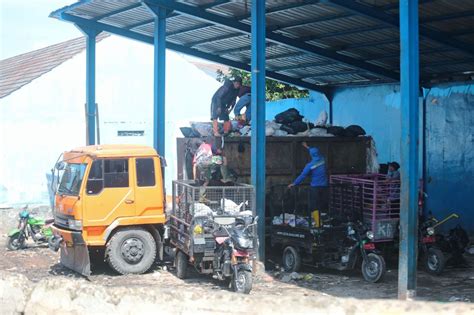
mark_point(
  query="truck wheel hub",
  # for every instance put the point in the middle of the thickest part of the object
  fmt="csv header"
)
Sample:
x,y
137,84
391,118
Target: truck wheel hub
x,y
132,250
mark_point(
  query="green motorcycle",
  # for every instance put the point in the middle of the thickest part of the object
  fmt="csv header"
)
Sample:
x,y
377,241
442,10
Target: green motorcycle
x,y
28,226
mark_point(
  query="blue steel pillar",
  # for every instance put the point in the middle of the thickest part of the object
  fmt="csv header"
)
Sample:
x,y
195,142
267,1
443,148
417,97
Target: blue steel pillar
x,y
409,80
258,117
159,57
91,109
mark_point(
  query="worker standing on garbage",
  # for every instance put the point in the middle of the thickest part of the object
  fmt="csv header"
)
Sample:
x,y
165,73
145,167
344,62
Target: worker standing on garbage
x,y
319,182
244,101
222,103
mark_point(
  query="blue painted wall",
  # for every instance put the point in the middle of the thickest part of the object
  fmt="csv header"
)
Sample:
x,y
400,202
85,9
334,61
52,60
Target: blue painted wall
x,y
449,139
308,107
377,110
450,152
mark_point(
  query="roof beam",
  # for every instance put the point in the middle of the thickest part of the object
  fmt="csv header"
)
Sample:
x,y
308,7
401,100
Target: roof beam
x,y
390,19
197,13
186,50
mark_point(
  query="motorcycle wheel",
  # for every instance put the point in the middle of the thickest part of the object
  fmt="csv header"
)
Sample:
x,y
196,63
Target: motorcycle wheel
x,y
15,243
434,261
373,268
181,263
242,282
291,259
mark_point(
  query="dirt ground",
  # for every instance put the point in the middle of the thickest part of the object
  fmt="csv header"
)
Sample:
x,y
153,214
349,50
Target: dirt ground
x,y
37,269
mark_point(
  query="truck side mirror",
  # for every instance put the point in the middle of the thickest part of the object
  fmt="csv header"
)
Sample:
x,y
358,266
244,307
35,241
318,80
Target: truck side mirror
x,y
163,161
60,166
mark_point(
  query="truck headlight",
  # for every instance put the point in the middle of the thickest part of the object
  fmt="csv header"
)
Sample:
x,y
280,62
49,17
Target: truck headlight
x,y
430,230
370,235
74,224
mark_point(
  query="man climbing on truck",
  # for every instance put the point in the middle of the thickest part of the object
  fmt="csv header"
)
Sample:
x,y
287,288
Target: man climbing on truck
x,y
222,103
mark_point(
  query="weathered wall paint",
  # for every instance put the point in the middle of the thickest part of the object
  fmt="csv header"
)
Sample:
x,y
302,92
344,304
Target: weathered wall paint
x,y
450,153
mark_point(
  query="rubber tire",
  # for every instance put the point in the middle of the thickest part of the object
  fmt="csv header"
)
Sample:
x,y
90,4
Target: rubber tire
x,y
441,258
181,263
381,263
114,257
10,245
248,282
290,250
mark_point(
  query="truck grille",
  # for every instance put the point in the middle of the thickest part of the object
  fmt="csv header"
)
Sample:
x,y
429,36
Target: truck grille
x,y
60,220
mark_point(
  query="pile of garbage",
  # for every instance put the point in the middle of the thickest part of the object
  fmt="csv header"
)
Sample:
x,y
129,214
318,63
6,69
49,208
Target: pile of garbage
x,y
287,123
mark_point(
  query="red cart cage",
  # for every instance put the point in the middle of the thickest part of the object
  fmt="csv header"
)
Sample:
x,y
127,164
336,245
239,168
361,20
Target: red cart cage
x,y
379,199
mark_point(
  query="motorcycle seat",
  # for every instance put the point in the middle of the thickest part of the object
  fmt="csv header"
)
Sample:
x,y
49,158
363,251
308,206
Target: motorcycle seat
x,y
48,221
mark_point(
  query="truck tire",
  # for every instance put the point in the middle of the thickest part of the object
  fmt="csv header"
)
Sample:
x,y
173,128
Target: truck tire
x,y
131,250
291,259
373,268
434,261
181,263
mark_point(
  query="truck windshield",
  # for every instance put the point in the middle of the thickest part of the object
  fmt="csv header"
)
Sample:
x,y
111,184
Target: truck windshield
x,y
72,179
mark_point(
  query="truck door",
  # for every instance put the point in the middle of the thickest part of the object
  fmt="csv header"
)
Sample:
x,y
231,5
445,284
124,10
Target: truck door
x,y
149,187
109,192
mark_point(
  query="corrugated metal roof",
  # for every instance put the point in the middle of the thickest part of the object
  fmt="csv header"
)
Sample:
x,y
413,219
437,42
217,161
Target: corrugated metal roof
x,y
363,39
17,71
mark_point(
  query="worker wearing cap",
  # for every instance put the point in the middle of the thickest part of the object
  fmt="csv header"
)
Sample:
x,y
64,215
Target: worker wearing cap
x,y
222,103
319,182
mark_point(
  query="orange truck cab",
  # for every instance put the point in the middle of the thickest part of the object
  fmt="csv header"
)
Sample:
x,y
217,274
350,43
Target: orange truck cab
x,y
109,205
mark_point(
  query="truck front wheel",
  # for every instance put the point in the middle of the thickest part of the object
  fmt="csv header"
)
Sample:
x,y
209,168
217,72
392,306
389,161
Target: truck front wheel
x,y
131,251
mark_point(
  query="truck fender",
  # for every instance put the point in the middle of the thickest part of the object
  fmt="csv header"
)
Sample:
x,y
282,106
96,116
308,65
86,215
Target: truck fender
x,y
159,244
13,232
110,229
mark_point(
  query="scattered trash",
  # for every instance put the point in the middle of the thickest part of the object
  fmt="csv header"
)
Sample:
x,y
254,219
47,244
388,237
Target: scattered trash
x,y
308,277
286,278
461,298
470,250
296,276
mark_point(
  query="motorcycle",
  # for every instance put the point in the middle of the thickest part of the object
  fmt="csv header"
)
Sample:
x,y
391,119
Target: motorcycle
x,y
222,246
438,250
232,257
28,226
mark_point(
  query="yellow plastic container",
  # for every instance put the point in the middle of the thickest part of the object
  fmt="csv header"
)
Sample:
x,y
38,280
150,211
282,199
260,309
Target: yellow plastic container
x,y
316,218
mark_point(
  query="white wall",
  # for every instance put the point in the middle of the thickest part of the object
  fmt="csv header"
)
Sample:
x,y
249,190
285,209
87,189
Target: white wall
x,y
46,117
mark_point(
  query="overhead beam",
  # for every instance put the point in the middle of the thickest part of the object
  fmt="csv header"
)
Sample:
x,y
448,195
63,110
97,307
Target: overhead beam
x,y
203,15
187,50
390,19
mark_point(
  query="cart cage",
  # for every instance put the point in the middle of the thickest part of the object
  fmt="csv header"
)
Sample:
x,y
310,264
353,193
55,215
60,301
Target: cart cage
x,y
292,207
190,199
379,199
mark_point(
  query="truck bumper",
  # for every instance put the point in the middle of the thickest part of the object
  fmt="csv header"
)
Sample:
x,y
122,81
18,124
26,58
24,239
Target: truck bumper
x,y
74,251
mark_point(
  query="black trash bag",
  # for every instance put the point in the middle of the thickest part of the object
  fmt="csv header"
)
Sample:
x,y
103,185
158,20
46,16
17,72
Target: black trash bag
x,y
287,129
299,126
336,130
288,116
189,132
354,131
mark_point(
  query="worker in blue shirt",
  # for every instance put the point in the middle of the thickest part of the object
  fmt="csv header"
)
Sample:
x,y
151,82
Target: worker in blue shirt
x,y
319,182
